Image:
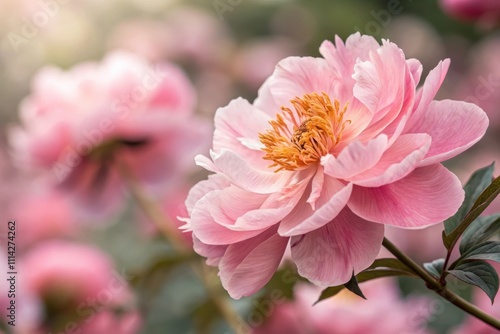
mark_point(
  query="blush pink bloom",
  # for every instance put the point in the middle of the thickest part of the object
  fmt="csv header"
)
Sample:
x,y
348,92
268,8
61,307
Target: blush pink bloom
x,y
472,9
73,281
80,123
384,312
332,149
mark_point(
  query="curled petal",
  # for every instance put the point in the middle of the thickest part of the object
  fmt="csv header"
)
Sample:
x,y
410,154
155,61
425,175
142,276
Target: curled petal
x,y
454,127
248,265
427,196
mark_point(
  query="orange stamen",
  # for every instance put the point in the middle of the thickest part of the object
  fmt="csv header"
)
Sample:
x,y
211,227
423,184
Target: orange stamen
x,y
320,130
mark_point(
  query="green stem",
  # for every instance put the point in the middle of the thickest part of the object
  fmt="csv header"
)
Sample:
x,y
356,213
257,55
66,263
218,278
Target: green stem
x,y
439,288
151,208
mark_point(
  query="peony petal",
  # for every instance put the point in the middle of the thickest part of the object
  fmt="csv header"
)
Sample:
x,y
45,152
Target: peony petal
x,y
330,255
416,68
428,91
355,158
304,219
296,76
214,182
316,187
237,128
247,266
239,172
390,100
212,225
265,100
454,127
212,253
380,80
397,162
343,57
427,196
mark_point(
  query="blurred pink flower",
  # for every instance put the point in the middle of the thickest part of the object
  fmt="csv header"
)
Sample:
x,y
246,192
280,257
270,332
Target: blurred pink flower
x,y
75,282
43,215
332,149
196,35
256,59
79,124
472,9
384,312
481,83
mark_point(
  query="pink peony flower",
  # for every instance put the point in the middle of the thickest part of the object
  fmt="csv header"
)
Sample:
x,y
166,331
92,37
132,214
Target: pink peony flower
x,y
332,149
76,282
80,123
472,9
384,312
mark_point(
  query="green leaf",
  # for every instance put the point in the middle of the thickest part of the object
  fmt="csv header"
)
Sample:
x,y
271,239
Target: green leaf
x,y
489,250
204,316
481,229
435,268
353,286
482,202
480,274
477,183
363,276
390,263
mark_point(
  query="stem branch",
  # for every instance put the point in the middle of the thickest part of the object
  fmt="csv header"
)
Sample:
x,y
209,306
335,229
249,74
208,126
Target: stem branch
x,y
151,208
439,288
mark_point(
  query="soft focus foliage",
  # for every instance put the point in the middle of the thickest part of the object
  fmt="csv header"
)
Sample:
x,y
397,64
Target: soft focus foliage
x,y
89,88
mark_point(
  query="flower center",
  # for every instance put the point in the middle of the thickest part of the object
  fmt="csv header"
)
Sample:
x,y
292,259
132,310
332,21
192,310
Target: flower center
x,y
317,125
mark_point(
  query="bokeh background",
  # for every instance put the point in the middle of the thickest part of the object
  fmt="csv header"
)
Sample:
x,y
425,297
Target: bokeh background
x,y
227,48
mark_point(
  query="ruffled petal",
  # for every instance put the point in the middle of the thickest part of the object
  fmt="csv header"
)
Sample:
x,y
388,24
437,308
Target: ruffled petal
x,y
454,127
213,226
242,174
247,266
427,196
385,85
397,162
427,93
330,255
214,182
355,158
237,128
296,76
213,253
303,218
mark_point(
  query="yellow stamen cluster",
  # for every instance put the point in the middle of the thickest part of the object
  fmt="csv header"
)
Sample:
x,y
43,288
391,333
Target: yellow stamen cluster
x,y
317,128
